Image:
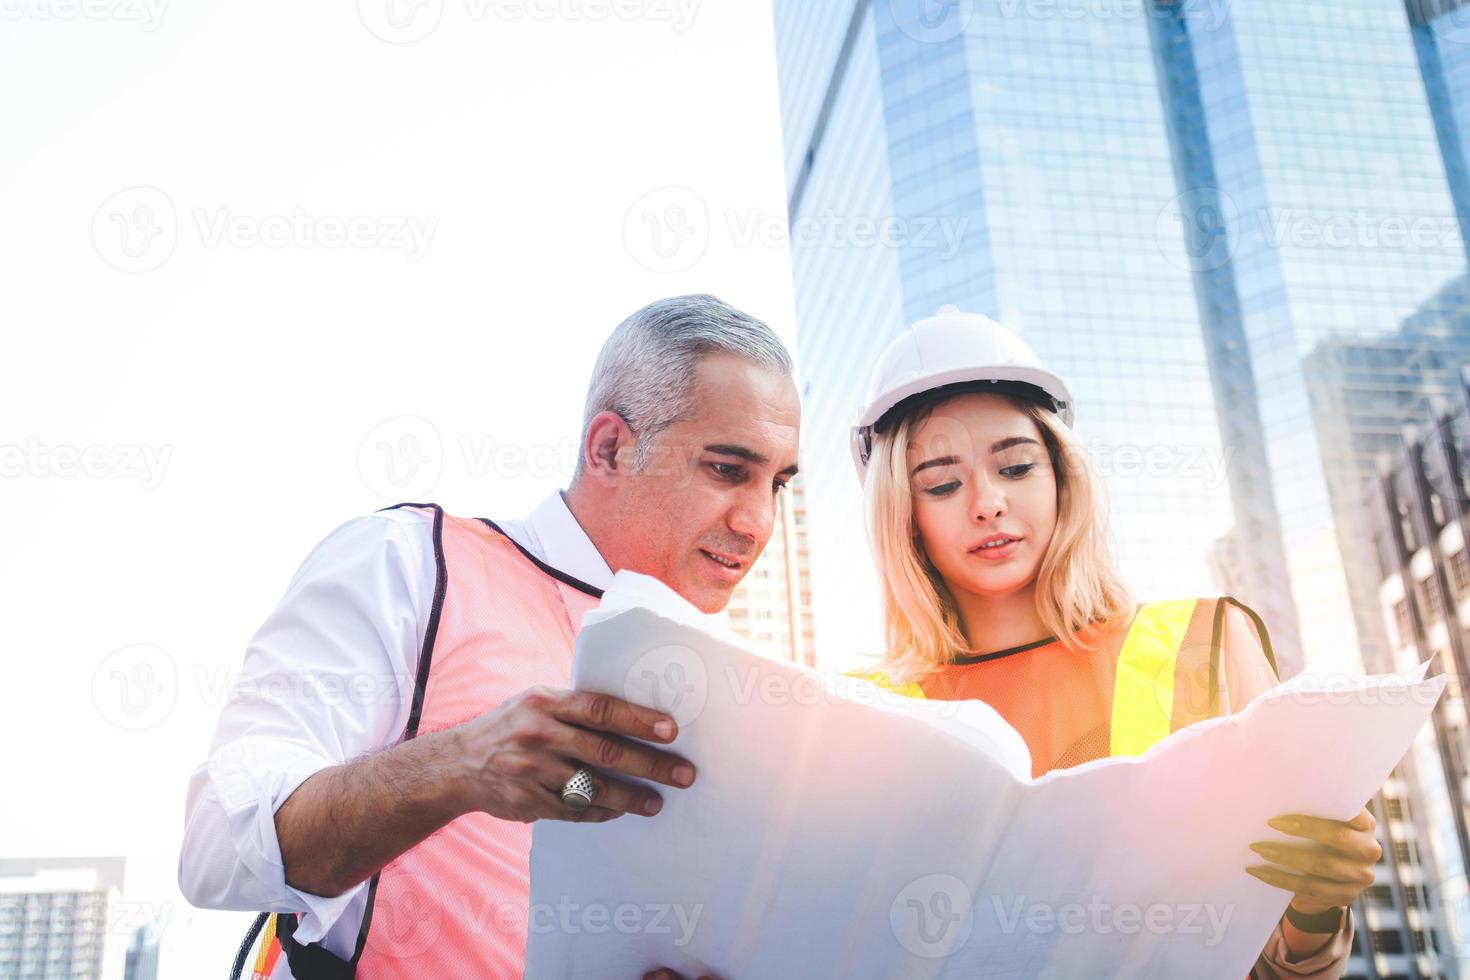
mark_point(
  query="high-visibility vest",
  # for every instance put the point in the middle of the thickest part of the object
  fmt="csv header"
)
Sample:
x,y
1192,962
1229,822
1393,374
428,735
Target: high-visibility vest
x,y
1138,682
456,904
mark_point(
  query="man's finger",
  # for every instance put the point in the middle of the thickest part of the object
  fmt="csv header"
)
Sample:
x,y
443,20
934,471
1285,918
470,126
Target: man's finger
x,y
611,753
605,713
610,794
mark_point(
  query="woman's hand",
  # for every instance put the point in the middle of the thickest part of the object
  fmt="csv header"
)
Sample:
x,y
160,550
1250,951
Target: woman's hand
x,y
1329,869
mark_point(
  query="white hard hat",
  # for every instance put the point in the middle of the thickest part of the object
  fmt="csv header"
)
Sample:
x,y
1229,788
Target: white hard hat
x,y
951,348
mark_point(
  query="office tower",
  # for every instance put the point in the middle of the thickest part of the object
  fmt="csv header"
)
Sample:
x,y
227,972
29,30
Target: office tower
x,y
142,955
1229,226
53,915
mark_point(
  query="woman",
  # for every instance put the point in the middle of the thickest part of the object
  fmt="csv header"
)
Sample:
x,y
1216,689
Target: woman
x,y
989,534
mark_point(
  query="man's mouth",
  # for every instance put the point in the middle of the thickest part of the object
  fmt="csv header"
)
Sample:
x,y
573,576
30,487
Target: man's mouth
x,y
722,560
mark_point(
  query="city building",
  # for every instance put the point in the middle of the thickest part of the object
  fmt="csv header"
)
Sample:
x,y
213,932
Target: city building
x,y
54,916
1234,228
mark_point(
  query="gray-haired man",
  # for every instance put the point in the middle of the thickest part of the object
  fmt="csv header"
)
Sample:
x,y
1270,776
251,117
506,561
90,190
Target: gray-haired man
x,y
396,828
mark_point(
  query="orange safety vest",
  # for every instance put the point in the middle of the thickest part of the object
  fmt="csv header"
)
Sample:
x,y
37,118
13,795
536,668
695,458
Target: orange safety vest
x,y
1140,681
456,904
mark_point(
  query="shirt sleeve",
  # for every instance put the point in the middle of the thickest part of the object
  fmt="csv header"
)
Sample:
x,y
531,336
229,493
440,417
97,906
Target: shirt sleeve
x,y
327,678
1325,964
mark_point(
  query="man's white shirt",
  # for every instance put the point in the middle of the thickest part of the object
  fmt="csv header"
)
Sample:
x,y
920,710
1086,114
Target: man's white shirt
x,y
328,678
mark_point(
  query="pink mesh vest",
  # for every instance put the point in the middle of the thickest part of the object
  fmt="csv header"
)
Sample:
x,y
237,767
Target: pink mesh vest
x,y
456,904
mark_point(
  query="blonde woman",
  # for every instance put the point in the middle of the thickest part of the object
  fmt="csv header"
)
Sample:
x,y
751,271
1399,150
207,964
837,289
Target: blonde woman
x,y
989,534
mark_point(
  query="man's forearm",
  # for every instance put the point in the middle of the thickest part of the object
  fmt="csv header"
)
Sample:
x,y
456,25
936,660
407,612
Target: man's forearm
x,y
345,823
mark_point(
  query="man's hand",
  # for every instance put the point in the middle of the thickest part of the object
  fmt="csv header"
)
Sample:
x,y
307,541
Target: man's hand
x,y
518,756
346,822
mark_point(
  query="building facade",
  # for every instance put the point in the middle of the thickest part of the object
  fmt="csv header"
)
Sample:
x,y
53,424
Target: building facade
x,y
54,916
1235,229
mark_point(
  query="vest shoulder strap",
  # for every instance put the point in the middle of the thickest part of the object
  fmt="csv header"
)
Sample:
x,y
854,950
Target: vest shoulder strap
x,y
1143,684
910,690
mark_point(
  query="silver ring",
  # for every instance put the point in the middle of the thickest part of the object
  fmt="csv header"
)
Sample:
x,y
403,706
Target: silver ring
x,y
578,792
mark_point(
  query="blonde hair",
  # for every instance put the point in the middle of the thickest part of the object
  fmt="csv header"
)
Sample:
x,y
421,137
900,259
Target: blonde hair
x,y
1077,586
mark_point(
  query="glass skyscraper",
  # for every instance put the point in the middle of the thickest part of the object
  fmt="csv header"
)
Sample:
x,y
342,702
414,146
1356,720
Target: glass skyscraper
x,y
1226,224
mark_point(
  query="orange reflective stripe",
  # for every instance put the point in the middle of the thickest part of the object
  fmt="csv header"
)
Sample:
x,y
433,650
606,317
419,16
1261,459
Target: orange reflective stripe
x,y
1143,686
270,952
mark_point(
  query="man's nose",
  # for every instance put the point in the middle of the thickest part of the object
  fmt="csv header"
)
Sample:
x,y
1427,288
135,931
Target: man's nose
x,y
754,517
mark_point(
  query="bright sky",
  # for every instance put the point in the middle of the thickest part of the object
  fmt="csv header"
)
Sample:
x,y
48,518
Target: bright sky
x,y
259,260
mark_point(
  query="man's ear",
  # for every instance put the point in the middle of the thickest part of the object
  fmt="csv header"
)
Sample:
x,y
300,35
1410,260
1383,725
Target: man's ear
x,y
607,447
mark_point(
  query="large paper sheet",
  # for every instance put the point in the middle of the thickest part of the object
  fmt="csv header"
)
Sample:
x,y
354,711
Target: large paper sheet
x,y
838,831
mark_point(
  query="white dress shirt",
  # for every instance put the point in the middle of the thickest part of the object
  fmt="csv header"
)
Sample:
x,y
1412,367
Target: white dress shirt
x,y
329,678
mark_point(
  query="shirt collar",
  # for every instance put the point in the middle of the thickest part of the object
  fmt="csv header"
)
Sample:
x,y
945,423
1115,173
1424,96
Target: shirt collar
x,y
564,545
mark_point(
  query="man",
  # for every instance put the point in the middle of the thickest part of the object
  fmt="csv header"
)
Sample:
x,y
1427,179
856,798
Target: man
x,y
396,826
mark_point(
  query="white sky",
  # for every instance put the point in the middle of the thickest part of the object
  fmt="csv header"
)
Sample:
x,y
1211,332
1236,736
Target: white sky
x,y
229,397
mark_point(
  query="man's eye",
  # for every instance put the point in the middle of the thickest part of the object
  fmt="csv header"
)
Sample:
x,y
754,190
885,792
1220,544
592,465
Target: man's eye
x,y
728,470
778,485
1017,471
942,489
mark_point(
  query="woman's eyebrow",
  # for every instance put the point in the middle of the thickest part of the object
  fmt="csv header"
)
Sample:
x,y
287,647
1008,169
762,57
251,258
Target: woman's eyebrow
x,y
937,461
1010,441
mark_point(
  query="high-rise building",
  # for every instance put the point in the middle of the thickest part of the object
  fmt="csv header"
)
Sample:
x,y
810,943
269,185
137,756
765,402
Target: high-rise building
x,y
142,955
53,915
1421,509
1233,228
772,605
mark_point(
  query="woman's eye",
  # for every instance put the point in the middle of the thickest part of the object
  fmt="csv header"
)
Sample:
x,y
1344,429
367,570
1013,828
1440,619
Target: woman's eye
x,y
942,489
1017,471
